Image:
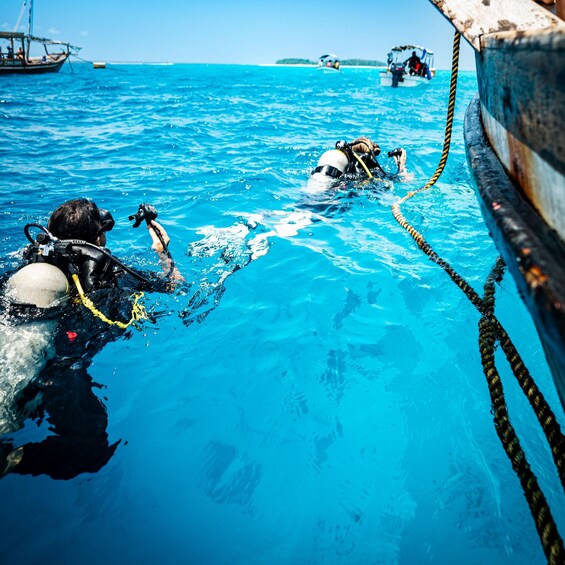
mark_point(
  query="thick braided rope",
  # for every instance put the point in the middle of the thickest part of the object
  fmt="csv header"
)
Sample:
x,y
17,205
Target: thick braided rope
x,y
541,408
545,524
448,123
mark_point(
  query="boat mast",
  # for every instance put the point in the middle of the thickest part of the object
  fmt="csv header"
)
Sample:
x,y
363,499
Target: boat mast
x,y
29,28
29,25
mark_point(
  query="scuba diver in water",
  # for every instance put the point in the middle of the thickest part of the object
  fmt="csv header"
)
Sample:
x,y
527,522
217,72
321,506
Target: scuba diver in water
x,y
48,342
75,240
355,161
332,188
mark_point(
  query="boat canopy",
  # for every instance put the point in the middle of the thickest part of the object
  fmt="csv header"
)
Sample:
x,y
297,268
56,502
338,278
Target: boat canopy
x,y
411,48
328,57
20,36
53,42
12,35
399,53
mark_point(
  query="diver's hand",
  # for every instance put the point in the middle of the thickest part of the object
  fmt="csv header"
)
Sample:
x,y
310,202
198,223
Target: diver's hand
x,y
167,262
157,245
399,157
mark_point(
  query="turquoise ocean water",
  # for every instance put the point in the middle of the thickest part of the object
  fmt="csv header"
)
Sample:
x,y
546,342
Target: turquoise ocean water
x,y
315,394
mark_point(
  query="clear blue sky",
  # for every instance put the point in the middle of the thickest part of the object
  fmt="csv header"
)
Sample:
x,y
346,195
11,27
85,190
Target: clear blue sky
x,y
244,32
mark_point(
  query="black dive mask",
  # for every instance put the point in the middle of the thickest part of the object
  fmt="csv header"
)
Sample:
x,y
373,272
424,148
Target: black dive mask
x,y
106,220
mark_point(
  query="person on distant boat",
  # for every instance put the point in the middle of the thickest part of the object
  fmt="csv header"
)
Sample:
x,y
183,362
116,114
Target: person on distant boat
x,y
20,54
414,64
357,160
10,52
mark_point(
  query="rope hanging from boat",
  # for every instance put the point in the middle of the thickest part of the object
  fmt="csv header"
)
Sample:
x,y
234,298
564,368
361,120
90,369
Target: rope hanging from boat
x,y
491,331
488,335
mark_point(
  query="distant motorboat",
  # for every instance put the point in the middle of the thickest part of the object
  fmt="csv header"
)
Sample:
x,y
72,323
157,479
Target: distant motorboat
x,y
17,58
420,66
99,65
329,63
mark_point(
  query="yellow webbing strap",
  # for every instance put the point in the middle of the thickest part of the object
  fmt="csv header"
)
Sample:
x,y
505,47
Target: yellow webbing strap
x,y
362,164
137,310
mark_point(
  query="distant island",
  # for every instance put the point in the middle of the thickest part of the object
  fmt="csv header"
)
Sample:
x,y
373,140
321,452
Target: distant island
x,y
344,62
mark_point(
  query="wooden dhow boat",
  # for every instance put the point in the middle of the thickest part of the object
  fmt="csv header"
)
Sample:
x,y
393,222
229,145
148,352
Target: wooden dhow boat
x,y
20,53
516,150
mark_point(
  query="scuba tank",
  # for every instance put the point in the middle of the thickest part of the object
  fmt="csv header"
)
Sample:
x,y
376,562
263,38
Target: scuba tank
x,y
332,163
38,284
27,342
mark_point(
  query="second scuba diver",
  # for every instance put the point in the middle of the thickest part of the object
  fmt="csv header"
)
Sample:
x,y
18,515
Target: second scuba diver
x,y
356,160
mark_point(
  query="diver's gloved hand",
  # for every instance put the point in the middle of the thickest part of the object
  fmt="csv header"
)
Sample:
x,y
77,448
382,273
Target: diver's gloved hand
x,y
395,152
157,245
399,157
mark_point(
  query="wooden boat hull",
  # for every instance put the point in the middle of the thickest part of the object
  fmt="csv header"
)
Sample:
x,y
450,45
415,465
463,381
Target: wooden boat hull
x,y
521,80
16,67
528,245
516,150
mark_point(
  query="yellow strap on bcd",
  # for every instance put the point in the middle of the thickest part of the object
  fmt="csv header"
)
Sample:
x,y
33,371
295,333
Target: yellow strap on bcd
x,y
138,311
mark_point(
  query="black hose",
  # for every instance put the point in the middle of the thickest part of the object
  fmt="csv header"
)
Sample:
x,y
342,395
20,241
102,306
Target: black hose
x,y
79,243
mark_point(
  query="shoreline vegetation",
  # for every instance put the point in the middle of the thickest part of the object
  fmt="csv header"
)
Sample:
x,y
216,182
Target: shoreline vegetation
x,y
343,62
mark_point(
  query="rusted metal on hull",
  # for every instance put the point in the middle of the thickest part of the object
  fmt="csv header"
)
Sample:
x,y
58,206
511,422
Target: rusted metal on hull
x,y
476,18
522,84
535,257
540,183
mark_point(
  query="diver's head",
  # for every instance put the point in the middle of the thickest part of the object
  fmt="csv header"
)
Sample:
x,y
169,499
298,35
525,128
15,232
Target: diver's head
x,y
81,219
365,145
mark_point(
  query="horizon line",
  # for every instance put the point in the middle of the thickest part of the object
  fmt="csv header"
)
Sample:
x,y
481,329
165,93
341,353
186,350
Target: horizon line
x,y
304,65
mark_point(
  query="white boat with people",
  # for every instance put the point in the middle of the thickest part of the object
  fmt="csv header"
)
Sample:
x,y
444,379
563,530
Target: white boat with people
x,y
329,63
408,65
